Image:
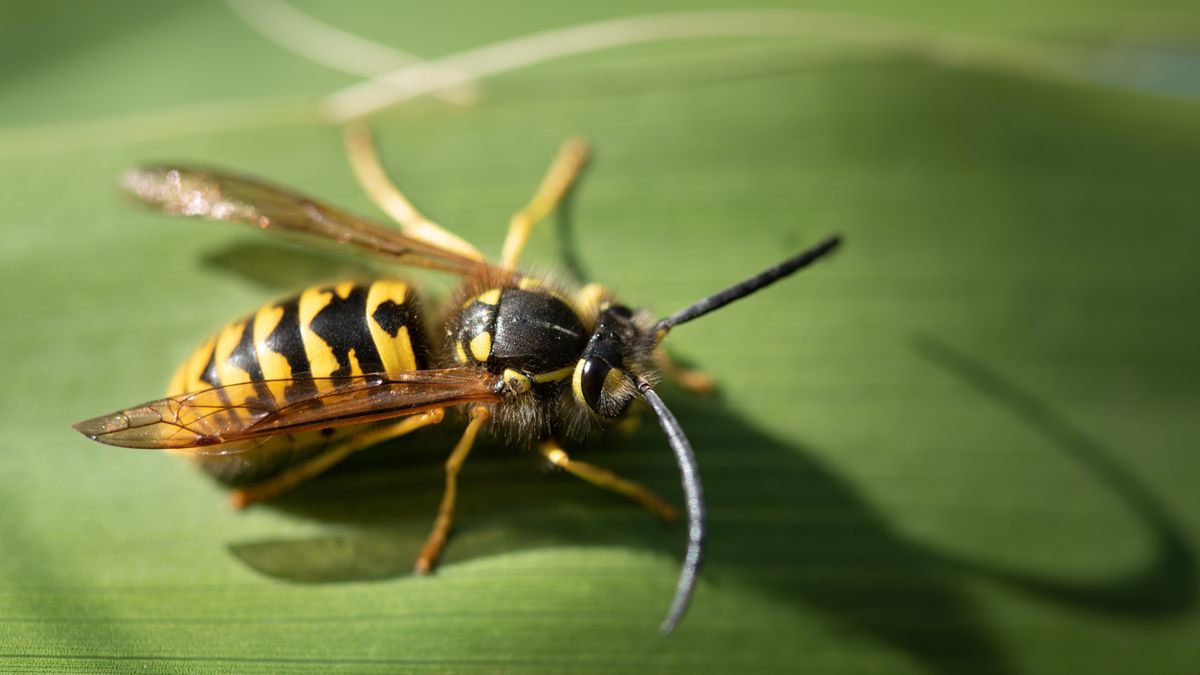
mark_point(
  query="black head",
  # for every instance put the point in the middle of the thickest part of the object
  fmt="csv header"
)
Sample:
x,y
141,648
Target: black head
x,y
615,356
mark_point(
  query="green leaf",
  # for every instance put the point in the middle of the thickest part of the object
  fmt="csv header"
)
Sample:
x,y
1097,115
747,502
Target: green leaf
x,y
966,443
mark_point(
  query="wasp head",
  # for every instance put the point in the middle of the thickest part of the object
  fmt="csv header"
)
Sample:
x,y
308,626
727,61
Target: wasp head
x,y
616,356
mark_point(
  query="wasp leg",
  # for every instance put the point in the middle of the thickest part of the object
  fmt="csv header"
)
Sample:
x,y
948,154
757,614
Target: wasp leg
x,y
601,477
692,380
335,453
557,182
364,159
441,526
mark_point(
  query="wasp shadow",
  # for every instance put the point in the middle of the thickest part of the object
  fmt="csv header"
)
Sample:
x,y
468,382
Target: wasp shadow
x,y
810,540
814,543
1166,585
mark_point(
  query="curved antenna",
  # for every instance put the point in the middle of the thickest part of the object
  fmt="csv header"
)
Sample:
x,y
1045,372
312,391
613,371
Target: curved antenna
x,y
744,288
693,495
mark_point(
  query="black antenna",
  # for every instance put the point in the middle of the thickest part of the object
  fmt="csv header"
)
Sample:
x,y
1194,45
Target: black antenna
x,y
693,495
754,283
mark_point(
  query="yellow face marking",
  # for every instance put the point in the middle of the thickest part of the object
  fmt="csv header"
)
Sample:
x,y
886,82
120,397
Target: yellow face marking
x,y
613,380
481,347
554,375
491,297
395,352
321,360
577,383
517,382
460,354
274,365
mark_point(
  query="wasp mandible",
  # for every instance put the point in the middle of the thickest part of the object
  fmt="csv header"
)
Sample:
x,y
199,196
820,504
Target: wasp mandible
x,y
288,391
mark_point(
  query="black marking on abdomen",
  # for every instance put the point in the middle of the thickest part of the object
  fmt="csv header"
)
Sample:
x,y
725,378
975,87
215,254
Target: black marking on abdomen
x,y
209,375
286,341
342,324
391,317
245,358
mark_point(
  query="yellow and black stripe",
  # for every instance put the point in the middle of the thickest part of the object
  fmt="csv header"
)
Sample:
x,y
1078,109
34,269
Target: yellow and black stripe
x,y
327,331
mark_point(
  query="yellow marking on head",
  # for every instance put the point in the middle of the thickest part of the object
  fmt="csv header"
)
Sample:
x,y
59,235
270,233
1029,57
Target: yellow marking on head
x,y
321,361
613,381
530,284
577,383
395,352
554,375
517,382
460,354
481,346
344,289
274,365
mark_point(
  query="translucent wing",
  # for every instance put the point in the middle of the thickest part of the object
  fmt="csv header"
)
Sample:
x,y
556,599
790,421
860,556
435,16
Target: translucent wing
x,y
220,196
214,421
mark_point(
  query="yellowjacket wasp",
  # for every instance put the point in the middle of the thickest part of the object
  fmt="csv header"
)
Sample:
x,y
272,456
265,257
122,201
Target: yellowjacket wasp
x,y
287,392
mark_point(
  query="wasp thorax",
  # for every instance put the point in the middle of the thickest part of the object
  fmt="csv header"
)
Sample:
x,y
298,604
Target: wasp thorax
x,y
603,378
529,336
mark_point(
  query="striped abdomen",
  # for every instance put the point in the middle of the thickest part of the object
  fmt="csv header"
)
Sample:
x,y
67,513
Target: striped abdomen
x,y
326,331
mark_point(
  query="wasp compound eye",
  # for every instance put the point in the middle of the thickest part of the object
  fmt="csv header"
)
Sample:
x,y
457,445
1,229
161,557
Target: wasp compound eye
x,y
595,384
589,382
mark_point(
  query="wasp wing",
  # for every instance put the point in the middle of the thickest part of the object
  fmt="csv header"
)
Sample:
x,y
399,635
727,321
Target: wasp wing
x,y
211,194
209,422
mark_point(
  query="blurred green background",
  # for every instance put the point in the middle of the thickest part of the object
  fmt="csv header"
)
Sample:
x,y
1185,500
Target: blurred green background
x,y
967,443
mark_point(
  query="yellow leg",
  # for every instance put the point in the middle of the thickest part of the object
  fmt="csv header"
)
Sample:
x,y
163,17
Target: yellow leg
x,y
692,380
555,185
441,526
364,159
335,453
608,480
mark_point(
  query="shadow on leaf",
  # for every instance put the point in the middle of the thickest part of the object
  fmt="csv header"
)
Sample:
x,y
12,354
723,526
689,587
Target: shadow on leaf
x,y
782,524
1165,586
